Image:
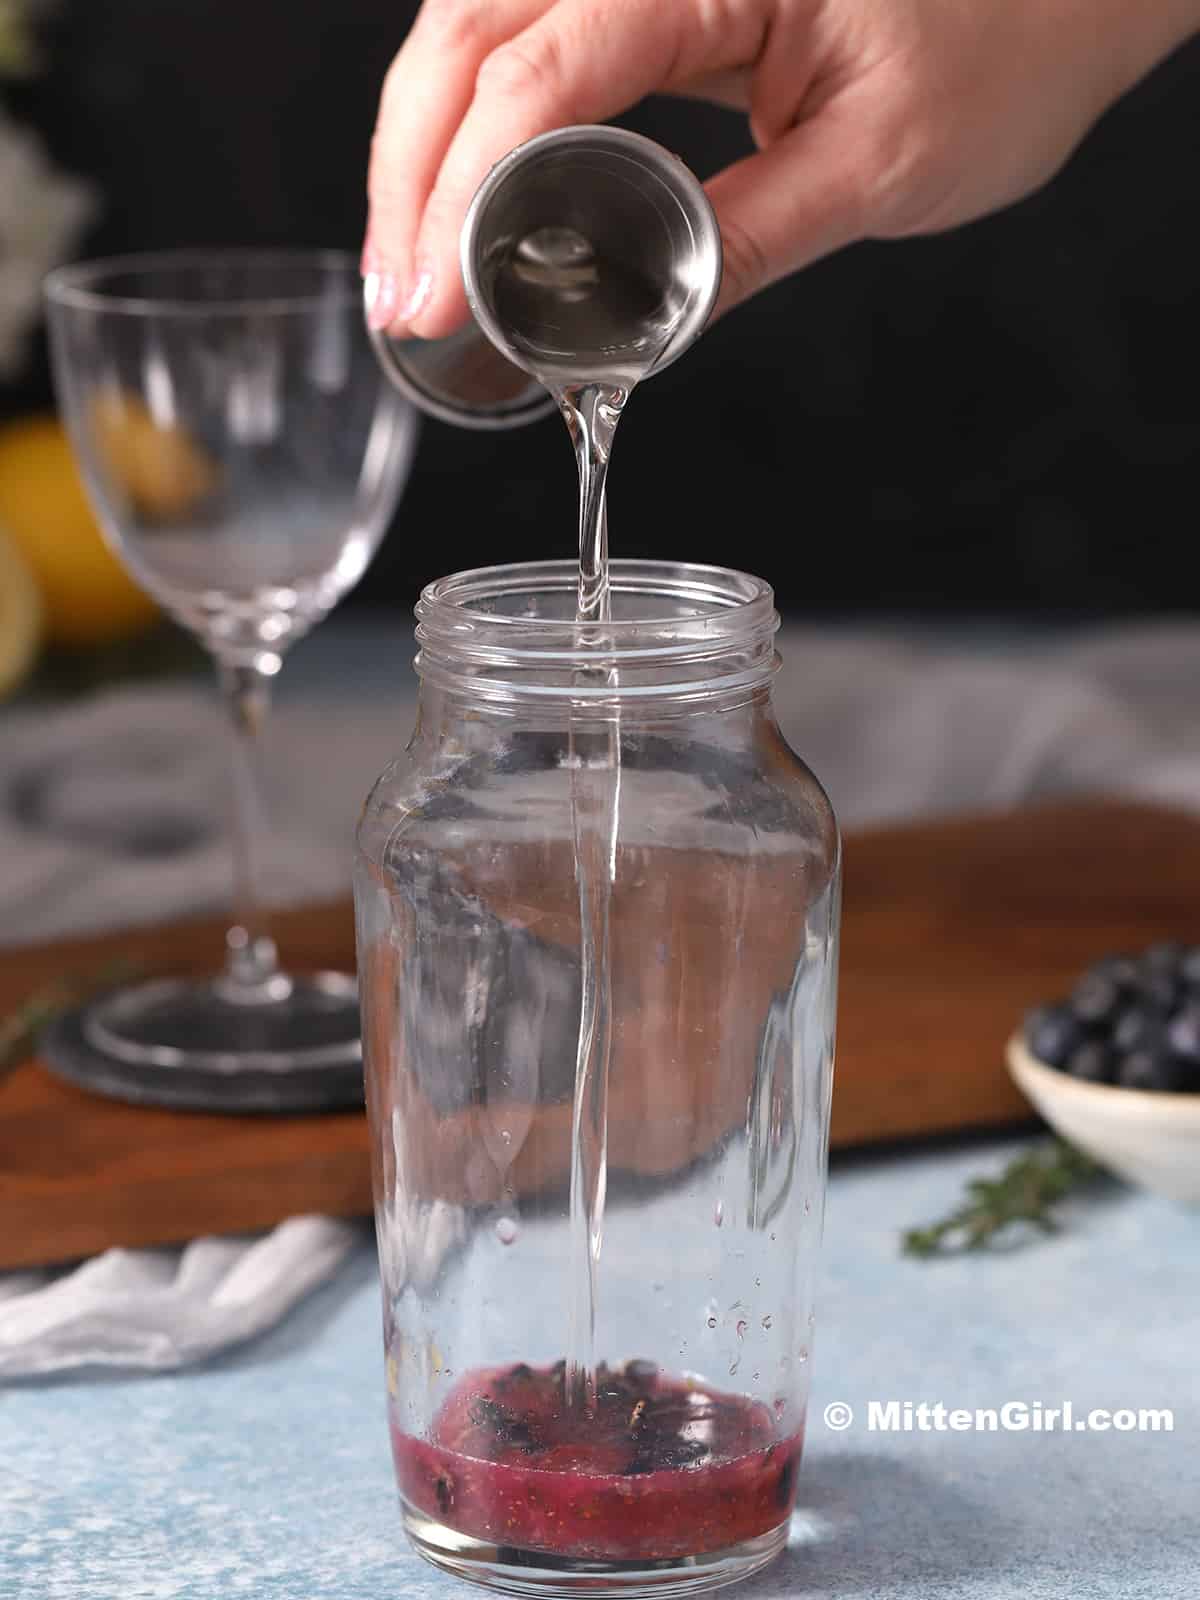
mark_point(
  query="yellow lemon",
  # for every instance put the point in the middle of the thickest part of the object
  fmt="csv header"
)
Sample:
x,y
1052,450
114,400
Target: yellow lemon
x,y
87,595
161,470
20,616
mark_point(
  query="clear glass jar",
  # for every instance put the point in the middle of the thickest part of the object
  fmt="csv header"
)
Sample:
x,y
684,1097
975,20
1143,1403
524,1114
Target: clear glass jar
x,y
684,1236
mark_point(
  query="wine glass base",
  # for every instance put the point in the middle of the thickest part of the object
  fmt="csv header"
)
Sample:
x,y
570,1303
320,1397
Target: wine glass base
x,y
186,1042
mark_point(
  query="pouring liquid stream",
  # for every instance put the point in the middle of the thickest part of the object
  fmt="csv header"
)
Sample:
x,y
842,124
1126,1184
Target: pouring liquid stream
x,y
588,328
595,754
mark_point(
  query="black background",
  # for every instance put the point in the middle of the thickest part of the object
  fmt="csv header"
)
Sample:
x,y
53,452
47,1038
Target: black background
x,y
1002,419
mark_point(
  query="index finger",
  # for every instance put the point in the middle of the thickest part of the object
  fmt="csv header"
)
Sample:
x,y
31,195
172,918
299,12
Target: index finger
x,y
425,95
582,61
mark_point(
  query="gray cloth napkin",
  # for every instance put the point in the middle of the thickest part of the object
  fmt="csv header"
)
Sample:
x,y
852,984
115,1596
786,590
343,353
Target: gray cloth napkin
x,y
159,1309
111,814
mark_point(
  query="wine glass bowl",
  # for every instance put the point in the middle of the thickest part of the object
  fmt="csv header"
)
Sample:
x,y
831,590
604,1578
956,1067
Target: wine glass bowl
x,y
238,447
244,454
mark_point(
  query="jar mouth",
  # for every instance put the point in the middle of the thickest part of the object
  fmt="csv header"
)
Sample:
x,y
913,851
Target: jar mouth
x,y
676,628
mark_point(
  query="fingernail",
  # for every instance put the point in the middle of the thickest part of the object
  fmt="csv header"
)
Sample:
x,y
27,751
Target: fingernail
x,y
418,295
379,299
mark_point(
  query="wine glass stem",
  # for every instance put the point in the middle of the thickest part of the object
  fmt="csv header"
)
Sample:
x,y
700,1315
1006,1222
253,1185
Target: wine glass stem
x,y
251,960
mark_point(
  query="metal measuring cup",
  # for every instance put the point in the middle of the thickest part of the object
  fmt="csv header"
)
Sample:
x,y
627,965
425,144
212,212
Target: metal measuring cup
x,y
588,210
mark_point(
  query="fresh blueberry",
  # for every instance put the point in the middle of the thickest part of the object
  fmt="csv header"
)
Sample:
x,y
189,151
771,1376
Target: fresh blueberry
x,y
1052,1033
1164,957
1095,1000
1183,1033
1137,1028
1121,970
1153,1069
1159,990
1189,967
1092,1062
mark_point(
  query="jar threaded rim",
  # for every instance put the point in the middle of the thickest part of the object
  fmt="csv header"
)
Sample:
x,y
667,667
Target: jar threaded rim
x,y
679,630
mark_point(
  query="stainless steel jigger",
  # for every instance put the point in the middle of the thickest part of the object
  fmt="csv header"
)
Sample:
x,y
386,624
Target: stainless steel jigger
x,y
462,379
587,250
590,254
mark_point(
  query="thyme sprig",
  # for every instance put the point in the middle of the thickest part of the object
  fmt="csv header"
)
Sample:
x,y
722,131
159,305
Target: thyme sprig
x,y
1025,1192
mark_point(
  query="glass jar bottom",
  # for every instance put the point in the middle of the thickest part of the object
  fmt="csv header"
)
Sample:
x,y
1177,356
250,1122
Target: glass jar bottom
x,y
659,1482
535,1572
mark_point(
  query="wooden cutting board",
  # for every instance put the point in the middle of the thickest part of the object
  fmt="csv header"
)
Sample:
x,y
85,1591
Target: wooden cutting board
x,y
951,930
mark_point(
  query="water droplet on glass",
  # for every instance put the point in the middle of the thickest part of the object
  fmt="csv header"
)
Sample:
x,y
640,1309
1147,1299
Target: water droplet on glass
x,y
772,1238
807,1207
734,1368
812,1317
506,1230
758,1283
712,1322
766,1322
802,1355
719,1213
741,1330
780,1406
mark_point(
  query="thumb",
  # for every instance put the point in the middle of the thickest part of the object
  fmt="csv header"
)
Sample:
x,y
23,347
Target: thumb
x,y
799,199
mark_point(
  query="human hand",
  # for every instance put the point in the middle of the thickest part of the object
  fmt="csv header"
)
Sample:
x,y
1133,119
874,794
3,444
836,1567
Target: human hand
x,y
872,118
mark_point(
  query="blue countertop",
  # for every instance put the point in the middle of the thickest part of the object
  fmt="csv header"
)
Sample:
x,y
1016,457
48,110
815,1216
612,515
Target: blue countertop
x,y
267,1472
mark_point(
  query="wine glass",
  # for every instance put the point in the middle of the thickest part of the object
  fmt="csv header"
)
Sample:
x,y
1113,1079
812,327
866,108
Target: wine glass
x,y
244,453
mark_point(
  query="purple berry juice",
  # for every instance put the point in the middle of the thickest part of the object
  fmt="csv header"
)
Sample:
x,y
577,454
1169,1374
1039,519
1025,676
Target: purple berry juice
x,y
662,1467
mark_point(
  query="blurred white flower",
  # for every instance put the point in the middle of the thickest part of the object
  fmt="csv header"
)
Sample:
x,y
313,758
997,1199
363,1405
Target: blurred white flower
x,y
42,213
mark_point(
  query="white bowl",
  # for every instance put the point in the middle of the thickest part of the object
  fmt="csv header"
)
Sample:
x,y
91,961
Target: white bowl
x,y
1153,1139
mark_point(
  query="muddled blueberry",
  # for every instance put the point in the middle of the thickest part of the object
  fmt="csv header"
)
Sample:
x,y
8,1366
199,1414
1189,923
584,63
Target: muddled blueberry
x,y
1152,1069
656,1452
641,1371
1092,1062
1183,1033
506,1429
1095,999
1052,1033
